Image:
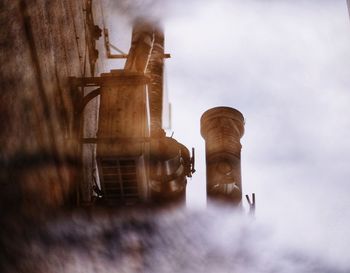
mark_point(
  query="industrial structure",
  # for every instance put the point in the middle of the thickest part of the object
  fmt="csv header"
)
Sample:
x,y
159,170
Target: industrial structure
x,y
136,162
97,137
222,128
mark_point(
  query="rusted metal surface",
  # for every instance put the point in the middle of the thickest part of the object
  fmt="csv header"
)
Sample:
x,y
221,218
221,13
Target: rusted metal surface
x,y
122,113
155,69
52,99
169,166
123,180
222,128
141,46
130,126
43,43
93,33
114,78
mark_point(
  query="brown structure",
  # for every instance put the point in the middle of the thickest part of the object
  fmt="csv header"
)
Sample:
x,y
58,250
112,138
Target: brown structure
x,y
222,128
137,163
43,43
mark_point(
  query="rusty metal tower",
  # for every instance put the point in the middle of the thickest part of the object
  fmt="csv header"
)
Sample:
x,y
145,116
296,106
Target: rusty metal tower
x,y
222,129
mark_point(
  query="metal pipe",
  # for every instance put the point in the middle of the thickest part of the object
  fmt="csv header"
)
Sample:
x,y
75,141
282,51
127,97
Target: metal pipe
x,y
141,46
147,55
222,128
155,70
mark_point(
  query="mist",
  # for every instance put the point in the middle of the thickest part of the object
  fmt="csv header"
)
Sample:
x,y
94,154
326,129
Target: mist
x,y
217,239
284,65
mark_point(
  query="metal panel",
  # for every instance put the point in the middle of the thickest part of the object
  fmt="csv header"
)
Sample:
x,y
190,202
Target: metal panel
x,y
122,180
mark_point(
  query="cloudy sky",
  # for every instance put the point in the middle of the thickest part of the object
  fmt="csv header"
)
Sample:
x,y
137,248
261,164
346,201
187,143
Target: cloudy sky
x,y
285,66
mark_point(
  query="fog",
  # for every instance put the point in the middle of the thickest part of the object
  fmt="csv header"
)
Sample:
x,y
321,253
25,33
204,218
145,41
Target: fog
x,y
215,240
284,65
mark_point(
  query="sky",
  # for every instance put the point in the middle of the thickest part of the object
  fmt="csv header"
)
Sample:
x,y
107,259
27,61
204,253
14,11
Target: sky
x,y
285,65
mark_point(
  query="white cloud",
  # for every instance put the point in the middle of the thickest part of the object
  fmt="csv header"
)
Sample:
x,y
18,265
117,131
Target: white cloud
x,y
285,66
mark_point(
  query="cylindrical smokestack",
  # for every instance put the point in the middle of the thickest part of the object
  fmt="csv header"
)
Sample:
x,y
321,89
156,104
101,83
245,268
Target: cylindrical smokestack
x,y
222,128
